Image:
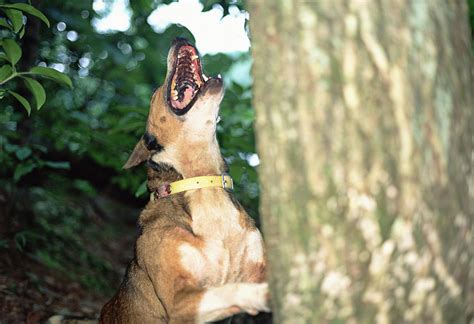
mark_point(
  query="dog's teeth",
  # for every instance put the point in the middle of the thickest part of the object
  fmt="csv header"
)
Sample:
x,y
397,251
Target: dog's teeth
x,y
174,95
204,77
219,76
194,57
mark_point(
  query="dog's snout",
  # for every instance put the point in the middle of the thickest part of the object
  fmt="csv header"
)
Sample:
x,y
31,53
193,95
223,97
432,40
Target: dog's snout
x,y
214,86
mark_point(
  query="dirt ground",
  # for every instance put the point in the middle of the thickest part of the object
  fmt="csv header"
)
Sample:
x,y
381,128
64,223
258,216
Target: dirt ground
x,y
31,292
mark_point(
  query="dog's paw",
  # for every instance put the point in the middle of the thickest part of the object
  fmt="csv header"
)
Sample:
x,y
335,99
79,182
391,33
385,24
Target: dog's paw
x,y
253,297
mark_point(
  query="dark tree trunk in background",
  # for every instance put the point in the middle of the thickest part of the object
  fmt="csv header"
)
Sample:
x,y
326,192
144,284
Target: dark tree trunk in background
x,y
365,131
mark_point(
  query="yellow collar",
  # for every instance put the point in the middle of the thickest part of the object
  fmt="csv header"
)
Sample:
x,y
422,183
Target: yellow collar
x,y
222,181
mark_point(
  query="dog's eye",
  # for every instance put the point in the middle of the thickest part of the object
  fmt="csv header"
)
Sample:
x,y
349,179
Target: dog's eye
x,y
218,119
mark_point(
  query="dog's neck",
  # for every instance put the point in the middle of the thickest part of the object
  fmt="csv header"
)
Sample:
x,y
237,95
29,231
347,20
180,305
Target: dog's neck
x,y
160,174
203,159
180,162
192,158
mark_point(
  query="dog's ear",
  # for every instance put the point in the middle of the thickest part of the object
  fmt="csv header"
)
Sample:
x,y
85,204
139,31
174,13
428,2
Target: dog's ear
x,y
140,153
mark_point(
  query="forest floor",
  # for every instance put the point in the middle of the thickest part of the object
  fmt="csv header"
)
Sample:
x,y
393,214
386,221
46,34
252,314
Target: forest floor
x,y
32,291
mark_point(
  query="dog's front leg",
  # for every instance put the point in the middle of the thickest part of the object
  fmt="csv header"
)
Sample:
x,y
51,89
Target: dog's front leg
x,y
181,285
248,297
216,303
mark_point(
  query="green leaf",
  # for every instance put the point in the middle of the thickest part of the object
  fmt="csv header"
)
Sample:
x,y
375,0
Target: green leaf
x,y
22,100
3,56
23,169
58,165
40,148
13,50
15,16
5,72
2,93
10,148
28,9
22,31
37,90
141,189
85,187
52,74
3,23
23,153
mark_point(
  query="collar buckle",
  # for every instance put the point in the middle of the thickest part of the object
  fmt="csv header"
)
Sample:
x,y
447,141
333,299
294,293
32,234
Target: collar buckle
x,y
227,185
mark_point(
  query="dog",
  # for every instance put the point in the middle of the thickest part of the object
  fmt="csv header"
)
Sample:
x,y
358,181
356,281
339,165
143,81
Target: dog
x,y
199,256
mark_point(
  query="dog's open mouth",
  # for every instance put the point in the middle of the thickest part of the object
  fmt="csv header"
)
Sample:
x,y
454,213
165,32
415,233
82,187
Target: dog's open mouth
x,y
186,80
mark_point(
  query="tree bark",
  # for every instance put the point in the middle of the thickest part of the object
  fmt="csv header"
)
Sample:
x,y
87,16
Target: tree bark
x,y
365,133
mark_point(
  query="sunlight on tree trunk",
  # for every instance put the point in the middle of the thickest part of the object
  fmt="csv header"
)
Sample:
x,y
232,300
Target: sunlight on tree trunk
x,y
365,132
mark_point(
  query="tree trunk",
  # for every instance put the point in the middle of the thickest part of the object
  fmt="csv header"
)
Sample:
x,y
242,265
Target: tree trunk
x,y
365,132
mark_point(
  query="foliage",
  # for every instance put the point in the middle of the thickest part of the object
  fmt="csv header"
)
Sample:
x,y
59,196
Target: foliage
x,y
60,236
13,30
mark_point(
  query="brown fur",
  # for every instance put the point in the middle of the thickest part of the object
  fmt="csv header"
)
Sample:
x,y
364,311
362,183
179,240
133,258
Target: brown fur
x,y
194,247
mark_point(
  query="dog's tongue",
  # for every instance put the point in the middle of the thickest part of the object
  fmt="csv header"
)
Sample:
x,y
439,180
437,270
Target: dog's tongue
x,y
187,97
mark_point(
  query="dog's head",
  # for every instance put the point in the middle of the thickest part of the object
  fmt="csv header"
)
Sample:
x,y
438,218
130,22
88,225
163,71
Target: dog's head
x,y
183,112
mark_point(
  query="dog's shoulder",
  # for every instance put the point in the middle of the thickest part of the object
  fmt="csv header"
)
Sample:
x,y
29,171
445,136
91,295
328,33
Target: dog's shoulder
x,y
162,223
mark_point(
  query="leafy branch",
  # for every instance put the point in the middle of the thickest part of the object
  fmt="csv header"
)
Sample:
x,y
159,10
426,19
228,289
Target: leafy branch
x,y
13,23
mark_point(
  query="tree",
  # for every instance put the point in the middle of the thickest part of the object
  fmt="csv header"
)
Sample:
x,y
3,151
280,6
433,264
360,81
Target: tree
x,y
365,132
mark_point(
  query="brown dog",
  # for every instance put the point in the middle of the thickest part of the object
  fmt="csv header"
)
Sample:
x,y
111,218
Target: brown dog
x,y
199,256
